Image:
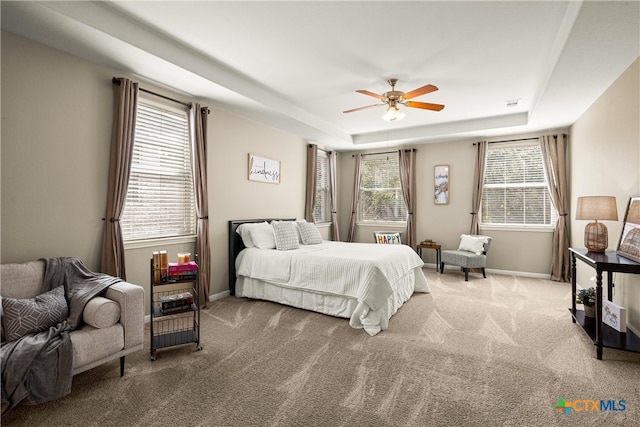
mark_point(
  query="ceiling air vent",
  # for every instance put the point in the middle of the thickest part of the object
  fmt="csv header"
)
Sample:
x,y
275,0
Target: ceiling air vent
x,y
512,103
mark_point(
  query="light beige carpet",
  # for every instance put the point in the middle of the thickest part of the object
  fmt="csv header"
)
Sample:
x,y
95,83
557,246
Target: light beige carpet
x,y
489,352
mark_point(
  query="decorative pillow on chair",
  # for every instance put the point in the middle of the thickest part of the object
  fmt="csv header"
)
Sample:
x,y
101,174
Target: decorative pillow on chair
x,y
33,315
309,233
473,244
101,312
286,235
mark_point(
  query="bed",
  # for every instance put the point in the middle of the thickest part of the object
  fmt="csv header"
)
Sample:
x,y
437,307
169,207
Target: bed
x,y
364,282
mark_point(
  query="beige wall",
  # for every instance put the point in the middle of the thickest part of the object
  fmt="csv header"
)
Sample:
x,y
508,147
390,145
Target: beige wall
x,y
511,251
56,126
605,153
55,149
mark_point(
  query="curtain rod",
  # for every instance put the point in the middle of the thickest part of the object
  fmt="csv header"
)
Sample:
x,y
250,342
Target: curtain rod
x,y
510,140
321,149
117,81
385,152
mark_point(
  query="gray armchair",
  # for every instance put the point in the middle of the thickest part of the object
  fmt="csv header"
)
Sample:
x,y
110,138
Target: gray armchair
x,y
471,253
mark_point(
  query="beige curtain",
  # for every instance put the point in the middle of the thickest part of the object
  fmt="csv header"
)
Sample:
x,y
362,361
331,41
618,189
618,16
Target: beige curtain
x,y
478,181
125,105
407,161
354,199
198,119
310,201
333,195
553,149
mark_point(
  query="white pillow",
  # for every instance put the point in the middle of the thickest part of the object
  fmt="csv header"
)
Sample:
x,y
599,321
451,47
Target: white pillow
x,y
244,230
286,235
309,233
263,236
473,244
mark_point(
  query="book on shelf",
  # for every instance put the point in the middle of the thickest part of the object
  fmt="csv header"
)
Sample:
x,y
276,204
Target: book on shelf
x,y
185,277
160,266
177,309
156,266
175,268
164,266
182,272
181,300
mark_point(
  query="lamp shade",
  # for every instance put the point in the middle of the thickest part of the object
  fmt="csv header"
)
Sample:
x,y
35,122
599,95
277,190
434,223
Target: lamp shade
x,y
597,208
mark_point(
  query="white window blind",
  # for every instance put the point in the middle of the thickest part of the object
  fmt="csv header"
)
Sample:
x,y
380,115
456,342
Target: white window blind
x,y
380,192
515,190
160,201
322,206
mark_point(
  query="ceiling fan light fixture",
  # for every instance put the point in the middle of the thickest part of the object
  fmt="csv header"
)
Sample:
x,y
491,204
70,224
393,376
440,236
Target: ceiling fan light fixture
x,y
394,98
393,114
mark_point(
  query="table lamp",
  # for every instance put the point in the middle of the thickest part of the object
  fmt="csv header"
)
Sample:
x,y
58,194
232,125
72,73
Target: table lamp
x,y
596,238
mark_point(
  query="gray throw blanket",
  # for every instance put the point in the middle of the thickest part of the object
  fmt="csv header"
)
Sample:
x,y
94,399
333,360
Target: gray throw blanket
x,y
38,367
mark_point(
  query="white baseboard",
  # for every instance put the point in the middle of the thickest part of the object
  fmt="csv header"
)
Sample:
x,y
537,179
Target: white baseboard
x,y
520,273
219,295
503,272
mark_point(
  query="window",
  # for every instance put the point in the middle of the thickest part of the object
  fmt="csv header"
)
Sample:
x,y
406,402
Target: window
x,y
160,201
515,190
322,206
380,192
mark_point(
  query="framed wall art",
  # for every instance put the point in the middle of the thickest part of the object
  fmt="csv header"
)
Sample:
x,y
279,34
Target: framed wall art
x,y
441,179
263,169
629,244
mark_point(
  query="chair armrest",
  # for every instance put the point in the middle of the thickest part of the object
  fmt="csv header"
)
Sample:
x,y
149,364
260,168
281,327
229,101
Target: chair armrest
x,y
131,300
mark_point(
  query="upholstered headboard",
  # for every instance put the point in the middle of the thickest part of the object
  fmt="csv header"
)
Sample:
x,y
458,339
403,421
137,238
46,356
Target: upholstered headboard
x,y
236,245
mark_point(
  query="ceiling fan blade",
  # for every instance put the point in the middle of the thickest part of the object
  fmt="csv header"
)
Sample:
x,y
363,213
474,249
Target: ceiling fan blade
x,y
420,91
424,105
362,108
366,92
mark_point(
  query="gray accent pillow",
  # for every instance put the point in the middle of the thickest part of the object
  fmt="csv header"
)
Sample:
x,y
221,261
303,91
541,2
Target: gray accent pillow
x,y
32,315
286,235
309,233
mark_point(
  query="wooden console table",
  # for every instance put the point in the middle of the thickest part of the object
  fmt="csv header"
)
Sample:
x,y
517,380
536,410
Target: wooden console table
x,y
603,335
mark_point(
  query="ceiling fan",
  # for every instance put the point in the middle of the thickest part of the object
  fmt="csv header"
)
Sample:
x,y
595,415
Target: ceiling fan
x,y
394,98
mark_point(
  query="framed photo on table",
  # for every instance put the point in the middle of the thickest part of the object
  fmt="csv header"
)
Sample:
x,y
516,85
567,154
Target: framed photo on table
x,y
441,179
629,244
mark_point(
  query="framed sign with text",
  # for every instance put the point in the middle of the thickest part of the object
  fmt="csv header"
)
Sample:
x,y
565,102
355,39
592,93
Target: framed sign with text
x,y
263,169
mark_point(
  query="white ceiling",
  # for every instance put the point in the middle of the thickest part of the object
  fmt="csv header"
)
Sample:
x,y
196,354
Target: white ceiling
x,y
295,65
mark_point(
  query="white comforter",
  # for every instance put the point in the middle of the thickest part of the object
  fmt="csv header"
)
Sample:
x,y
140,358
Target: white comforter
x,y
372,274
